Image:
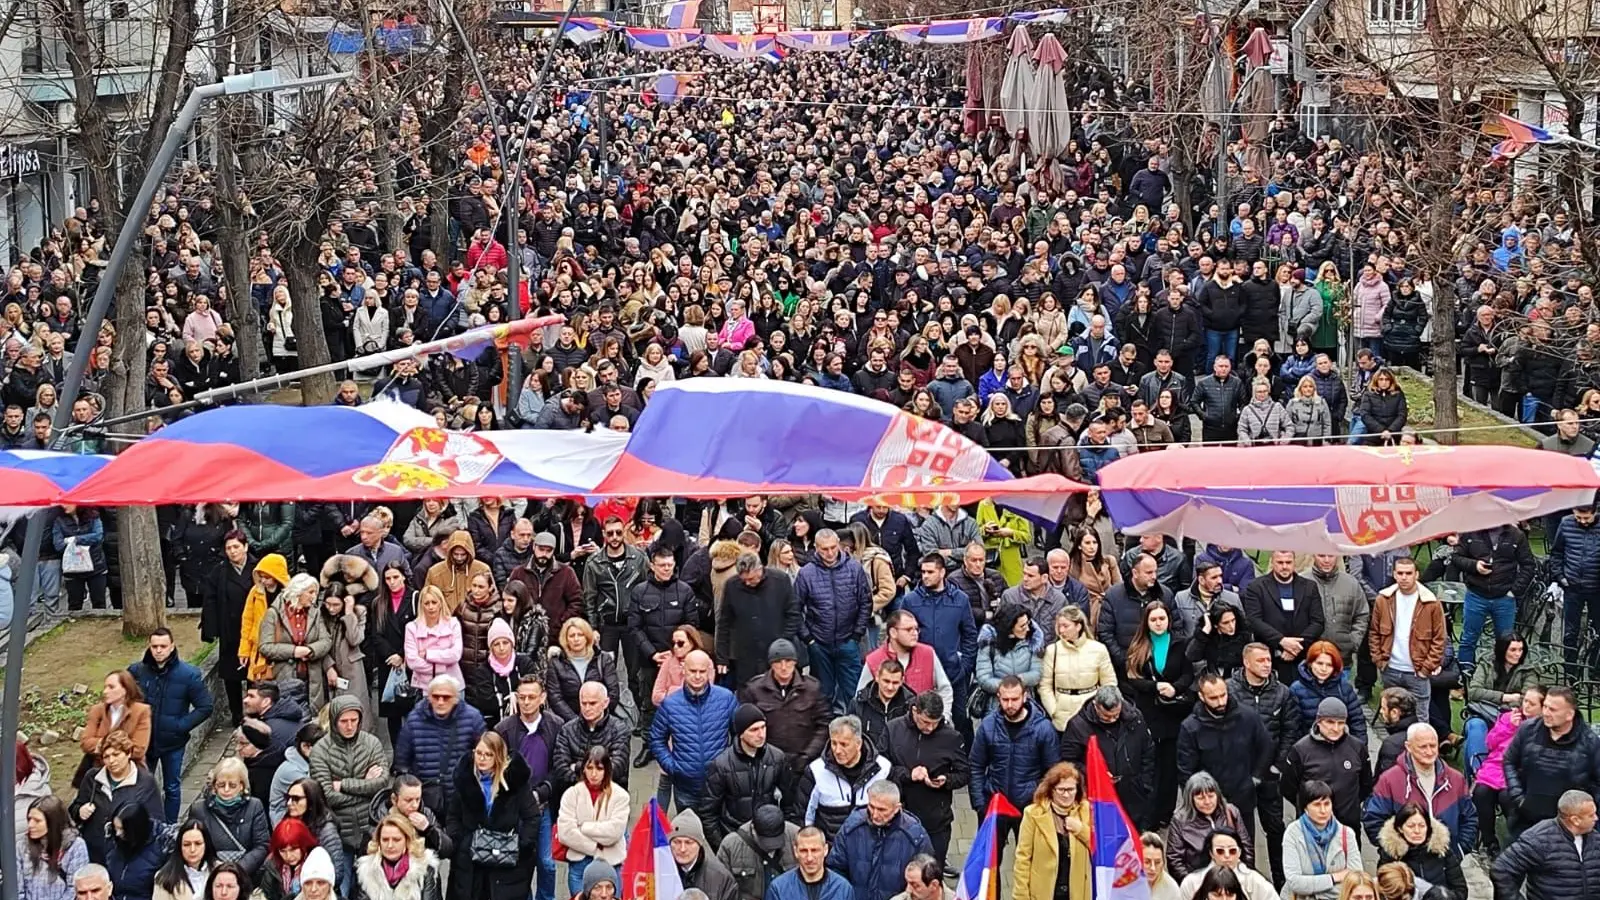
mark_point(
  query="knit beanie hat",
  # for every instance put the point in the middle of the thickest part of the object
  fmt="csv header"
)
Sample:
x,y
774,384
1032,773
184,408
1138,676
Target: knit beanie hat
x,y
599,870
498,629
317,867
746,715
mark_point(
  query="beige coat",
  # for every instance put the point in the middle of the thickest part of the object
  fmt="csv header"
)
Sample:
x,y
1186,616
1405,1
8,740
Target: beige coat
x,y
1069,675
587,831
880,574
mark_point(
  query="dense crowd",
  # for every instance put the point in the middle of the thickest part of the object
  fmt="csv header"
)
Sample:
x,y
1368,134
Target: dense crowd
x,y
811,684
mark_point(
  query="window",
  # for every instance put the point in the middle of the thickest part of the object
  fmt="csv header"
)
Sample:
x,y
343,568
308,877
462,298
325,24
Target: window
x,y
1405,13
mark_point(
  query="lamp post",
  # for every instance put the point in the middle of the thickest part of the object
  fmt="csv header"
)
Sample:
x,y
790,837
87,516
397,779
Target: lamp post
x,y
262,82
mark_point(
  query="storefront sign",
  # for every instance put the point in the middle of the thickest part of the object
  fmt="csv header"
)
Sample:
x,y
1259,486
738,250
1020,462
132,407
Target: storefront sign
x,y
16,162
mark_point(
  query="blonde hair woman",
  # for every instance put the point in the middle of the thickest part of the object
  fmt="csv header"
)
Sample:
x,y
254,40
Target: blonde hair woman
x,y
1073,668
577,658
1059,815
397,865
1310,421
433,641
493,798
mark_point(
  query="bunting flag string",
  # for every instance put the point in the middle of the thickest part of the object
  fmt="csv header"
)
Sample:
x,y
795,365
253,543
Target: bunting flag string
x,y
680,34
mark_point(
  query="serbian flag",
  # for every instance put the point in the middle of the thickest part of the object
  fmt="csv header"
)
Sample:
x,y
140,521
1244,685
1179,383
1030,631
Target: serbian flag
x,y
469,345
648,871
681,14
1523,133
739,46
908,34
1115,855
1506,150
655,40
964,31
1054,15
583,31
980,877
670,87
817,41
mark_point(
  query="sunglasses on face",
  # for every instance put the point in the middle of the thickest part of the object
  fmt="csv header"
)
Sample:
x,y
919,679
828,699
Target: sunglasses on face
x,y
612,533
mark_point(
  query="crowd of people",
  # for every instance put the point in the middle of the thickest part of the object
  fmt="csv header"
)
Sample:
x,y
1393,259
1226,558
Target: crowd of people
x,y
811,684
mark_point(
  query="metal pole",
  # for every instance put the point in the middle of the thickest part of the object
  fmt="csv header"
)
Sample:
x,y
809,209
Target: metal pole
x,y
105,293
600,137
1224,215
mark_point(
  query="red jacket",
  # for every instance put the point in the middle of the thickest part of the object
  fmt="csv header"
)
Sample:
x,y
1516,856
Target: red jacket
x,y
494,254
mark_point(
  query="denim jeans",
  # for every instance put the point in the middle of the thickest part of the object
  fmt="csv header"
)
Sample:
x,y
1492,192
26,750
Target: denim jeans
x,y
837,668
1220,343
1476,745
171,762
545,878
1358,430
575,869
1501,610
1420,688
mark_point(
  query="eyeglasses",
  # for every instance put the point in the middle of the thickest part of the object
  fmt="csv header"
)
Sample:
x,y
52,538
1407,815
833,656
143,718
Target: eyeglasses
x,y
441,696
300,797
1225,851
680,643
611,533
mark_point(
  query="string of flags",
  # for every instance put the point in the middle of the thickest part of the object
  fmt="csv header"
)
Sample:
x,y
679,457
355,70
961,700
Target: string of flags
x,y
680,34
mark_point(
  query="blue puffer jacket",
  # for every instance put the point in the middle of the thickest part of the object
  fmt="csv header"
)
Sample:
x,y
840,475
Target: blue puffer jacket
x,y
835,601
874,859
947,626
698,728
179,701
429,746
135,878
1575,554
788,886
1011,766
1094,457
1308,692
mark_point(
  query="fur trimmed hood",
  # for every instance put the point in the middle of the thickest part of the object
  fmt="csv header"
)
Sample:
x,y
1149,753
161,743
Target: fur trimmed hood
x,y
369,875
724,554
352,571
1395,847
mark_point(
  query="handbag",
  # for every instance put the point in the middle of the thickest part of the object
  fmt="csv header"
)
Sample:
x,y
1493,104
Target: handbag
x,y
497,849
238,850
558,850
398,687
76,559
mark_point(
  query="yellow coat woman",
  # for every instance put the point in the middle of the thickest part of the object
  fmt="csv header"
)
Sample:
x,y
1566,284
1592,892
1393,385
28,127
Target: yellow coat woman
x,y
272,575
1008,533
1057,802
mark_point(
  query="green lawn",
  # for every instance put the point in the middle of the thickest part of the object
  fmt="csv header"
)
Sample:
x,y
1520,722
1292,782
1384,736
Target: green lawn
x,y
1419,400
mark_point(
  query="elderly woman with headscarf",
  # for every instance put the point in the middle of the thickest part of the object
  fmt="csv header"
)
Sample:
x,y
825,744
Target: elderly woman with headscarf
x,y
295,639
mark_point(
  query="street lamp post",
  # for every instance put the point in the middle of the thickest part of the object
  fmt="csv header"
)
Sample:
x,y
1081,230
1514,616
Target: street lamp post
x,y
262,82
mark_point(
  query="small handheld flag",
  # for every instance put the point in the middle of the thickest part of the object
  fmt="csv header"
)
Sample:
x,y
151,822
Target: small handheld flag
x,y
980,877
648,871
1115,853
681,14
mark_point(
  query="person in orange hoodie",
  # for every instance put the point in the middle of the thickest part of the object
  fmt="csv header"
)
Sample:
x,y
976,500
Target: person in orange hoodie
x,y
271,575
453,574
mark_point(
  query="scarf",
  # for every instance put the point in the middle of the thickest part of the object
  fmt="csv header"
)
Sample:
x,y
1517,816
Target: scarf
x,y
235,803
1159,644
1321,839
503,669
486,783
396,600
393,872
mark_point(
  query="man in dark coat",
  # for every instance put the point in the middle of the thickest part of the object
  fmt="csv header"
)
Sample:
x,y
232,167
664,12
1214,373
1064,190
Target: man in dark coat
x,y
223,611
554,583
657,605
179,703
792,704
1123,608
1257,687
1397,710
698,865
982,583
748,774
267,732
884,699
875,844
1011,750
1330,754
1558,859
928,760
1124,741
758,607
1227,739
1284,609
835,600
596,725
944,615
1556,753
893,532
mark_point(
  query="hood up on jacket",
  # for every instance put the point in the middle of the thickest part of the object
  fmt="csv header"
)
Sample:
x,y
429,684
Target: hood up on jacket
x,y
460,538
724,554
274,566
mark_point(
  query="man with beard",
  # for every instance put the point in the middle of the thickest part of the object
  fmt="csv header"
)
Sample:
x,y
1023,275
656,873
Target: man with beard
x,y
1012,748
928,760
1227,739
553,583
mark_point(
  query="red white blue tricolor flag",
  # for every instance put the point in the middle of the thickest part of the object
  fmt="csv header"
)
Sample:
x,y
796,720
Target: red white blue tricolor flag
x,y
1115,854
648,871
681,14
980,877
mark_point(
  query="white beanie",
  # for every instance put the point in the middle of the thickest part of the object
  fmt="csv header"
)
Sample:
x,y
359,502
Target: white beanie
x,y
317,867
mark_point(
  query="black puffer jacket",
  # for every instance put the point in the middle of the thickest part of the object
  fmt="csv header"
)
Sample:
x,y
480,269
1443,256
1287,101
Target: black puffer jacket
x,y
1382,411
942,753
737,783
1403,321
563,681
875,715
657,608
1276,707
1539,770
1548,858
573,743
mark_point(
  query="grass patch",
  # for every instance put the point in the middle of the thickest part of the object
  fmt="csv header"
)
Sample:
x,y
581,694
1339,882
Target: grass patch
x,y
79,653
1419,403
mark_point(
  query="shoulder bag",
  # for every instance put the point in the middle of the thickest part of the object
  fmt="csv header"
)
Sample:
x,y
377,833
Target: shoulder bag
x,y
495,849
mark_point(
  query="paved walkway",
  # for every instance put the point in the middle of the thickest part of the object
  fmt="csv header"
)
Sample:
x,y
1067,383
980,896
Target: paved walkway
x,y
642,786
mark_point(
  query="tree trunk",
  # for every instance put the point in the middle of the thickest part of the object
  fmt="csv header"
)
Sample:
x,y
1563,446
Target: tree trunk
x,y
315,390
234,234
144,607
1446,386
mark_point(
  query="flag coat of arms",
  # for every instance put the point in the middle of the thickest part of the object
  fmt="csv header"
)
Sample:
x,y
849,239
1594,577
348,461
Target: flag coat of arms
x,y
648,871
1116,854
